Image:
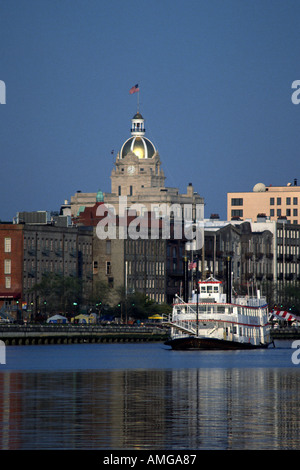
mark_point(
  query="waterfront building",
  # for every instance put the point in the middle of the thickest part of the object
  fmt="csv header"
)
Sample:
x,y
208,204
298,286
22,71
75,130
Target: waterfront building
x,y
30,250
286,249
11,265
270,201
250,248
149,265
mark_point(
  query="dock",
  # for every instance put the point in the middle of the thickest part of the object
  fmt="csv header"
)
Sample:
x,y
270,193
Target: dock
x,y
285,333
70,334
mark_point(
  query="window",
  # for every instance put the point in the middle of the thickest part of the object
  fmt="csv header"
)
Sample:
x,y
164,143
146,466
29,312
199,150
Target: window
x,y
108,267
237,213
288,212
7,245
295,212
7,266
295,201
279,201
278,212
272,201
119,190
271,212
108,247
130,191
237,201
7,282
288,201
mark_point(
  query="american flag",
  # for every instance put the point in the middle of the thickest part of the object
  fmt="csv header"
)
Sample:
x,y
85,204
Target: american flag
x,y
134,89
192,265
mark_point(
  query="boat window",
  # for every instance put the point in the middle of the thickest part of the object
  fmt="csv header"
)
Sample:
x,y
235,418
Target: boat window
x,y
209,288
203,289
215,288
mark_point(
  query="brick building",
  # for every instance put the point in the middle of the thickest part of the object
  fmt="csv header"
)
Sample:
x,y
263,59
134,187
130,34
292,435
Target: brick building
x,y
11,264
28,251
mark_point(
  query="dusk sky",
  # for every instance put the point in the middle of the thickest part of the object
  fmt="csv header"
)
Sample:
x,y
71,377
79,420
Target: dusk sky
x,y
215,80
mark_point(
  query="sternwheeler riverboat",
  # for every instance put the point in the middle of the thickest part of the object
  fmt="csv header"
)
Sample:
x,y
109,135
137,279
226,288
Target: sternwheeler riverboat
x,y
214,320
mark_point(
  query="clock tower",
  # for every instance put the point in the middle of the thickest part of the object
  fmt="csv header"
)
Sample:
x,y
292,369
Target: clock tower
x,y
138,166
137,174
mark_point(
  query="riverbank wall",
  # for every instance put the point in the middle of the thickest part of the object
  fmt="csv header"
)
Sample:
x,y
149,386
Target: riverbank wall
x,y
68,334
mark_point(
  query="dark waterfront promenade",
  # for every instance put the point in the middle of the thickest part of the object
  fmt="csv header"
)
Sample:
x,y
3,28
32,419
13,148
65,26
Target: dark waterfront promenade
x,y
64,334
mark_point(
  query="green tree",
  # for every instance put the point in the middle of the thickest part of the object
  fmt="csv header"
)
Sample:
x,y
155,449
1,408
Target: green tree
x,y
289,297
138,306
100,295
59,293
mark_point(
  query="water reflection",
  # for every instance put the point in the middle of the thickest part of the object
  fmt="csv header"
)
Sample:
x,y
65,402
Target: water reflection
x,y
150,409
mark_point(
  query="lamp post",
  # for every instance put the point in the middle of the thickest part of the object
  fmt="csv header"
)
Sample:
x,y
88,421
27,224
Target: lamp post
x,y
197,292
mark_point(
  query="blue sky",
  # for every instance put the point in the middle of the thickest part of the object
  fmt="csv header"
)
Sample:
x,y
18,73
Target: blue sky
x,y
215,91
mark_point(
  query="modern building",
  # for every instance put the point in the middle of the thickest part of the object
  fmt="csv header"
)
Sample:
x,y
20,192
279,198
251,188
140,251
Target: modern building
x,y
273,202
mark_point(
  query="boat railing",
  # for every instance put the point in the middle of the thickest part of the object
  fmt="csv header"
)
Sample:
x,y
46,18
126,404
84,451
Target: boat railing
x,y
183,307
250,301
183,326
178,300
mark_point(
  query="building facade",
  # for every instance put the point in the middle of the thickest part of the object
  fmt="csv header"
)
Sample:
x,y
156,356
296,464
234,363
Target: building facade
x,y
149,265
250,248
29,251
273,202
11,265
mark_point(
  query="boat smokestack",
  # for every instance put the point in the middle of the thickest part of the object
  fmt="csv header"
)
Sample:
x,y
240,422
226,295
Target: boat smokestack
x,y
228,280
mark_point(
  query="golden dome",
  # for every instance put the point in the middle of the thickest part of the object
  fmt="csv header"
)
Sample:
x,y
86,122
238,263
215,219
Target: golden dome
x,y
140,146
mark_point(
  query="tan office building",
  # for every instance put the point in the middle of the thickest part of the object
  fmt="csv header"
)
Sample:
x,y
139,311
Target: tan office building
x,y
275,202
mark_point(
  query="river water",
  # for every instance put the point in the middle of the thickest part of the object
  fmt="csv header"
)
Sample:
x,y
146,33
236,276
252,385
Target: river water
x,y
143,396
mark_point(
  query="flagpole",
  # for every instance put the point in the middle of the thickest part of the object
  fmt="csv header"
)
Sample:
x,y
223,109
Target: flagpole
x,y
138,101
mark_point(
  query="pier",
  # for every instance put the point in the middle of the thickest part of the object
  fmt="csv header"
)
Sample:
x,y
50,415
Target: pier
x,y
68,334
285,333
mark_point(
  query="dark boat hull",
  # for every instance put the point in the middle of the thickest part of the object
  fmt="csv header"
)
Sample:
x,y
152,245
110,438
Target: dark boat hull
x,y
193,343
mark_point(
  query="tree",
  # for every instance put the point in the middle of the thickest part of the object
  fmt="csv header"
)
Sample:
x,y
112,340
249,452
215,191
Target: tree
x,y
138,306
289,296
59,293
100,295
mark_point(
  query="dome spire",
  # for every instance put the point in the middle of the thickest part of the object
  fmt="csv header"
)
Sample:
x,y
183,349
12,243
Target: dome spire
x,y
137,143
137,125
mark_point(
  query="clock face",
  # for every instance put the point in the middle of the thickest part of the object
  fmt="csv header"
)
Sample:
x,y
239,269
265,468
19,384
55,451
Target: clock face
x,y
131,170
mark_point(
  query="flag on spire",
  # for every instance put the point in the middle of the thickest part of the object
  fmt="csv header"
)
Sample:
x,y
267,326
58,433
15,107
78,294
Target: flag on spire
x,y
134,89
